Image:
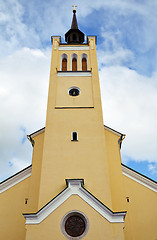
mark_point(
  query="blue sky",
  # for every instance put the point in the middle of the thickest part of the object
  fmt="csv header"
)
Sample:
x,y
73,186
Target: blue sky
x,y
127,59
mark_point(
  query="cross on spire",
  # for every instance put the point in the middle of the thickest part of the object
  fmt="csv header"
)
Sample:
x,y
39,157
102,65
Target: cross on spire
x,y
74,7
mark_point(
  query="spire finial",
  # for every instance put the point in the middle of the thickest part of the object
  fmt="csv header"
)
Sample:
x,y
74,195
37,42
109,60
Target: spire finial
x,y
74,35
74,6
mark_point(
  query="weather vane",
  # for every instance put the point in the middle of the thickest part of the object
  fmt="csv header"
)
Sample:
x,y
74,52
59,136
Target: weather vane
x,y
74,7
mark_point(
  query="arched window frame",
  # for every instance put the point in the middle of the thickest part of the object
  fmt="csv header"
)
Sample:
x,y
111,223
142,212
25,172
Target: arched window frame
x,y
74,55
84,56
62,57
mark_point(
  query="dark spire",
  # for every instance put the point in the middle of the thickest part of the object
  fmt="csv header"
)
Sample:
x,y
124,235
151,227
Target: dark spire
x,y
74,21
74,35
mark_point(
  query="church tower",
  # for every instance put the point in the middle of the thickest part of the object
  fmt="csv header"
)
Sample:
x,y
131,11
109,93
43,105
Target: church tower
x,y
74,151
76,187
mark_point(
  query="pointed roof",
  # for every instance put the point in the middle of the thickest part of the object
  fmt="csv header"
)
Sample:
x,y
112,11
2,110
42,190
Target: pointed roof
x,y
74,35
74,24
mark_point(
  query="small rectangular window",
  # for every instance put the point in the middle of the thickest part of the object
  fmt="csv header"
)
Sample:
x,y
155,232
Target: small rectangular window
x,y
74,136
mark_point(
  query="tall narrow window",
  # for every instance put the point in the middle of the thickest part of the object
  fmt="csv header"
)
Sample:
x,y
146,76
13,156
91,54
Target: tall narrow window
x,y
64,64
74,64
84,64
74,136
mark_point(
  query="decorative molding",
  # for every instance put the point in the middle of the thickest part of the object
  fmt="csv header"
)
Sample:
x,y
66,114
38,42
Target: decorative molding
x,y
139,178
13,180
91,37
70,107
74,187
74,74
56,38
73,48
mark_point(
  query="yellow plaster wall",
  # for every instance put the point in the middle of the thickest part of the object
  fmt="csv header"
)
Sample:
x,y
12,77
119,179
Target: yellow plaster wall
x,y
99,227
85,99
115,171
33,197
141,218
12,205
83,159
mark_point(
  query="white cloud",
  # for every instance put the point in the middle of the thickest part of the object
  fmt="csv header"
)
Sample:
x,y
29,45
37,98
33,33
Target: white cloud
x,y
128,31
152,168
24,79
130,106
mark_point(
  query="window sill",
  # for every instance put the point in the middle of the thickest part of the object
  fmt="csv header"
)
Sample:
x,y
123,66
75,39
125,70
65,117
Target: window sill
x,y
74,73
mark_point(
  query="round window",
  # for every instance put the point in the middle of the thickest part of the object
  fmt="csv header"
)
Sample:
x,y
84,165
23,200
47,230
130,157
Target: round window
x,y
74,225
74,91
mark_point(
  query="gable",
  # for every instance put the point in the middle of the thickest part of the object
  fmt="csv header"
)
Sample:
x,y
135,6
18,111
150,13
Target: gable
x,y
97,227
74,187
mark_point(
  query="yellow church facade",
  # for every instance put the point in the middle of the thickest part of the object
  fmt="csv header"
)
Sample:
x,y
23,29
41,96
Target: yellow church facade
x,y
76,187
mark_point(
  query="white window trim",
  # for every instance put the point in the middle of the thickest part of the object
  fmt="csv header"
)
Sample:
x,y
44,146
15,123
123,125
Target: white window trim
x,y
64,55
74,55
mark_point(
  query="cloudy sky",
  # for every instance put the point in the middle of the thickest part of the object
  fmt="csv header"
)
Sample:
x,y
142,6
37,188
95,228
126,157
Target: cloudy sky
x,y
127,57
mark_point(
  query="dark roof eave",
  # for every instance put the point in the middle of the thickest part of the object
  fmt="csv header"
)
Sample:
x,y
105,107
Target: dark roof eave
x,y
73,30
139,173
16,174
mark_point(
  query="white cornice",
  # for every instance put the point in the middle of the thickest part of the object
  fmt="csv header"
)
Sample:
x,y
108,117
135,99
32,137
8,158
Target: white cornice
x,y
74,187
74,74
139,178
73,48
10,182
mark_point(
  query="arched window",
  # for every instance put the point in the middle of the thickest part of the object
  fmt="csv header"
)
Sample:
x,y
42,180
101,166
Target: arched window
x,y
64,64
84,64
74,64
74,136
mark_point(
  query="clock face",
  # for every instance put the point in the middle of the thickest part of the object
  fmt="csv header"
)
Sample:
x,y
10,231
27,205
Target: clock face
x,y
74,91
